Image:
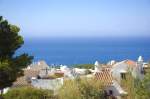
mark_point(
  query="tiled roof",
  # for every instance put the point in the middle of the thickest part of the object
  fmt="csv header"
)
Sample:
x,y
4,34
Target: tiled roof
x,y
22,81
130,62
105,76
31,73
39,65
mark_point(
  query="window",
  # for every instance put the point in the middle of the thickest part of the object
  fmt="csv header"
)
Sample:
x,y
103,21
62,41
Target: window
x,y
143,71
123,75
110,92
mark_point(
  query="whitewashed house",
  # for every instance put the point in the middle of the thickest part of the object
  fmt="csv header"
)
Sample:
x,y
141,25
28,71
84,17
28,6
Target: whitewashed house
x,y
66,71
120,69
80,71
112,86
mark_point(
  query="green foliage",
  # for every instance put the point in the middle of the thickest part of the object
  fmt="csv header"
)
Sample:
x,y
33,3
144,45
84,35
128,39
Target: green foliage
x,y
5,71
59,75
81,89
11,65
56,75
69,91
85,66
90,89
129,86
88,72
10,40
143,87
28,93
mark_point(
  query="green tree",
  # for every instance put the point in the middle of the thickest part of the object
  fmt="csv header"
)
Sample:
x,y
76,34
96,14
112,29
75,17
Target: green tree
x,y
11,65
28,93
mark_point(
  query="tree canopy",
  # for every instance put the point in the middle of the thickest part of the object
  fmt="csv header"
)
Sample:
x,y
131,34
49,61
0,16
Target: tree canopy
x,y
11,65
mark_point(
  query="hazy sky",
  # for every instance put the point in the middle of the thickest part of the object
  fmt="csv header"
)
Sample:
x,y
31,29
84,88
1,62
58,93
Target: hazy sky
x,y
78,18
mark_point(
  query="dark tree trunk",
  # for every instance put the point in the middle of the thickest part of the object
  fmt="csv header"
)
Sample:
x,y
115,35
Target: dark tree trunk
x,y
1,93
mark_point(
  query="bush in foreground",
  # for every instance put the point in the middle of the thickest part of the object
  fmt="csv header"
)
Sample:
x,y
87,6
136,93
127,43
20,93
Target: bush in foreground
x,y
72,89
28,93
81,89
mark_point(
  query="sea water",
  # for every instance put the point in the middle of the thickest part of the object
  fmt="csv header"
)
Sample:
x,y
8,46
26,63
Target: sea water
x,y
72,51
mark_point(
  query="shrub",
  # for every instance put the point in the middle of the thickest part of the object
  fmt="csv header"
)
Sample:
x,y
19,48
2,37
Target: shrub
x,y
28,93
81,89
56,75
59,75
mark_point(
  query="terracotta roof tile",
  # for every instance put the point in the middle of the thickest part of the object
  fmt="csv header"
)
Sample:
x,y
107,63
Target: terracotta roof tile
x,y
31,73
105,76
130,62
22,81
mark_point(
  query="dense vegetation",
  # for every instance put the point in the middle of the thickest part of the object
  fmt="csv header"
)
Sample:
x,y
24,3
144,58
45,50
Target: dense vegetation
x,y
28,93
128,85
137,89
143,87
11,65
81,89
72,89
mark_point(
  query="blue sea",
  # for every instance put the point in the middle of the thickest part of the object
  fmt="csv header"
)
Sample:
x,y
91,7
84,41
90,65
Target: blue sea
x,y
72,51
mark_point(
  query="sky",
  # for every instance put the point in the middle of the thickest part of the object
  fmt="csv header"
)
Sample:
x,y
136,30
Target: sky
x,y
78,18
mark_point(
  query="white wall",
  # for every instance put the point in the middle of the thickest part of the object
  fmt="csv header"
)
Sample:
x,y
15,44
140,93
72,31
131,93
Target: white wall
x,y
51,84
121,66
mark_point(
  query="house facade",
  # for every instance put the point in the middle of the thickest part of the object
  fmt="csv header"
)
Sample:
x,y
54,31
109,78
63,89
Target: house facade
x,y
113,73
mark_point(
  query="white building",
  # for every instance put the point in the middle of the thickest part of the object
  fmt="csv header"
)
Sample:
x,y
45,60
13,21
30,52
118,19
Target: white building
x,y
67,71
80,71
120,69
112,86
50,84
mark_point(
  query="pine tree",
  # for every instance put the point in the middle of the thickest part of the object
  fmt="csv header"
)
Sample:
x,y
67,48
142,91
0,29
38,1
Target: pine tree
x,y
11,65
